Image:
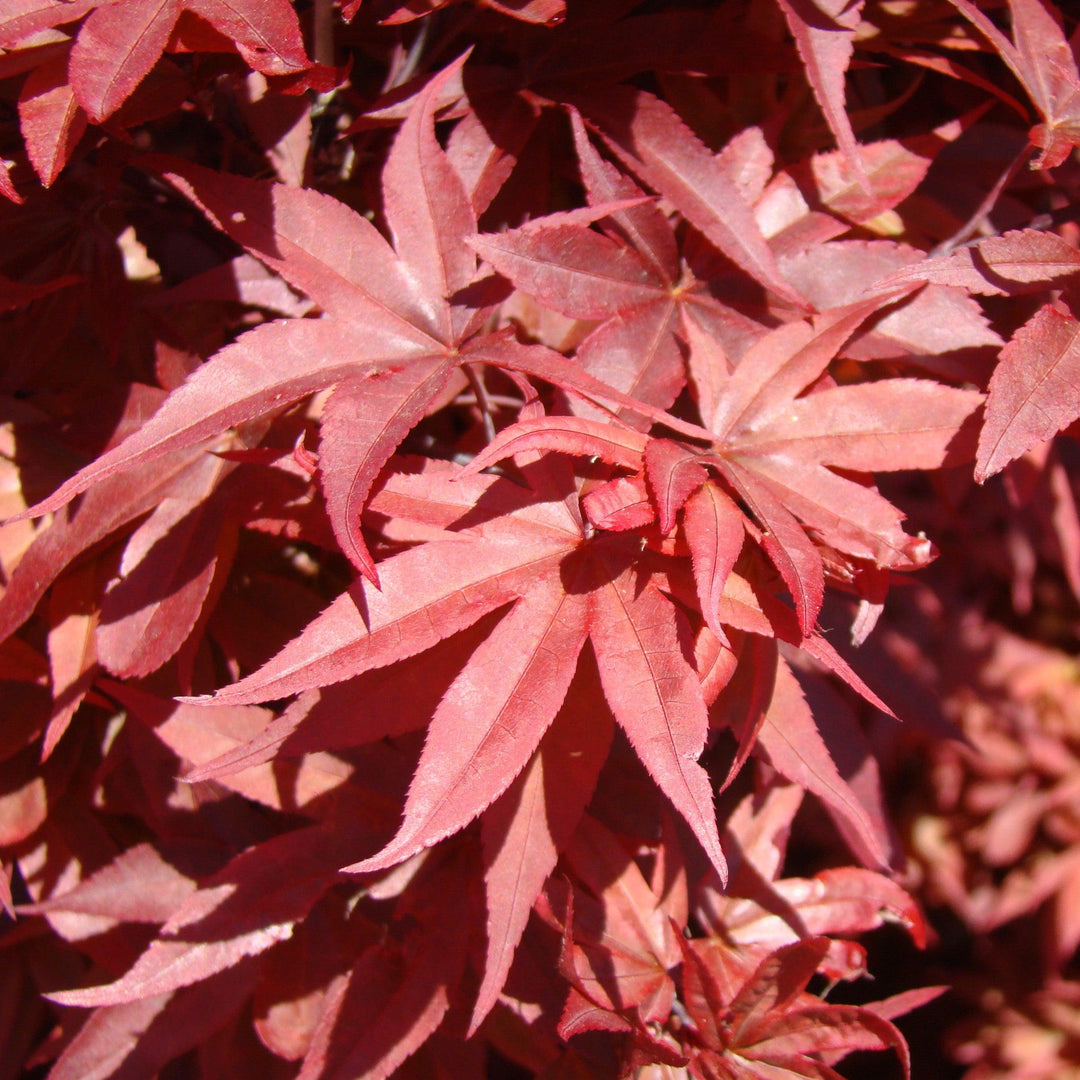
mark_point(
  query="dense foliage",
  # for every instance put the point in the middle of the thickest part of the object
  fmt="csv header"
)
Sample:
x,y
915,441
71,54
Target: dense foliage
x,y
540,538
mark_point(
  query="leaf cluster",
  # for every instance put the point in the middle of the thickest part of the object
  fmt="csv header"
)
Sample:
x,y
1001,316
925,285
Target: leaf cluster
x,y
451,453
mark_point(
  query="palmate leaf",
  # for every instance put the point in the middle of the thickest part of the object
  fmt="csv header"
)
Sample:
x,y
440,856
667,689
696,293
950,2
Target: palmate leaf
x,y
570,587
243,910
398,991
387,317
776,449
118,44
654,142
491,719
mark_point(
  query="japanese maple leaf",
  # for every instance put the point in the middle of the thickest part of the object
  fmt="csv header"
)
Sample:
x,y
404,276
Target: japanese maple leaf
x,y
760,910
777,453
392,334
1042,60
772,1027
630,277
742,1007
618,943
548,12
118,43
569,584
655,143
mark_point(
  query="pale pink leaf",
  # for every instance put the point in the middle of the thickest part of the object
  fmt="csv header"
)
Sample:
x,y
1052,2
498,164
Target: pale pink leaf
x,y
881,426
139,886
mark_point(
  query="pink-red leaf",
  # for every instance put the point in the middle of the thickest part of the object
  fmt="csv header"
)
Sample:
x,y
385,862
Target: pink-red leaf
x,y
656,698
830,1028
426,594
50,119
116,48
1015,262
319,246
139,885
396,995
169,562
111,503
795,748
673,473
881,426
619,504
426,205
824,32
269,367
1043,61
244,909
524,832
490,720
570,267
364,420
775,986
651,137
714,531
570,435
266,33
72,648
786,543
137,1039
1034,392
645,226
